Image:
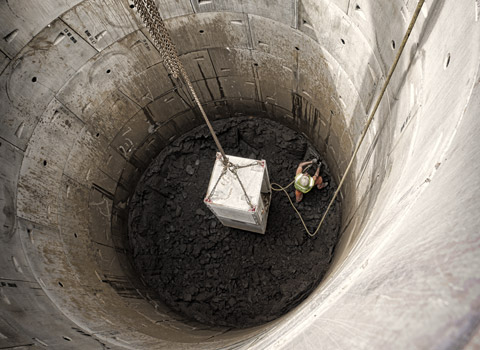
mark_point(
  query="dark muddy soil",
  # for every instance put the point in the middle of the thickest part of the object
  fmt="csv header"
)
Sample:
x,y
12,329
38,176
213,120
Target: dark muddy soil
x,y
219,275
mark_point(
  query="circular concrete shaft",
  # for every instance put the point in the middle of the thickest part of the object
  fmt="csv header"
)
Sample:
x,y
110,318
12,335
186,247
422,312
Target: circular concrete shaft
x,y
213,273
86,104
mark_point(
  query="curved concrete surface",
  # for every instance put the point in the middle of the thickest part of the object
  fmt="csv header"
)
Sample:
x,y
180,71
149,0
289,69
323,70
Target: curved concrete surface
x,y
86,103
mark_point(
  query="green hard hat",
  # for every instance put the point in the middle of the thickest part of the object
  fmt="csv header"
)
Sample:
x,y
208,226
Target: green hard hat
x,y
304,180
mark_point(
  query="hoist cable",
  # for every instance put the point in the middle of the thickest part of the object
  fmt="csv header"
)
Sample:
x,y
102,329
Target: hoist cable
x,y
161,39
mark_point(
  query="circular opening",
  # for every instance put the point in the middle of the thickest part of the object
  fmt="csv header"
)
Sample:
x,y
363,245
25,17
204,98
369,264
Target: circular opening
x,y
297,48
97,134
224,276
393,44
357,7
447,61
78,98
108,71
132,6
201,31
34,79
75,235
44,163
343,41
255,64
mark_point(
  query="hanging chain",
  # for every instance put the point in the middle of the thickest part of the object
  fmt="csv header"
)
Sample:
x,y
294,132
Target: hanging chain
x,y
243,188
161,39
159,33
233,169
224,171
257,162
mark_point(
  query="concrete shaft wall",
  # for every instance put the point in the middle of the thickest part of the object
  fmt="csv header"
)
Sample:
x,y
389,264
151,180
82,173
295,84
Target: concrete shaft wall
x,y
86,103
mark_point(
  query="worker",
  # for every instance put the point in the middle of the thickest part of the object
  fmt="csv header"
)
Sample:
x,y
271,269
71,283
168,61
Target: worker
x,y
304,182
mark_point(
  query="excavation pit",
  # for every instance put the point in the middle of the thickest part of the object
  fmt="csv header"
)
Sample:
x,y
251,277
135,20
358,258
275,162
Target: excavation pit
x,y
74,144
218,275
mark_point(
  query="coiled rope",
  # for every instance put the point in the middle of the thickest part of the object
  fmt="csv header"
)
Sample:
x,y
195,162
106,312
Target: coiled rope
x,y
162,41
284,189
365,129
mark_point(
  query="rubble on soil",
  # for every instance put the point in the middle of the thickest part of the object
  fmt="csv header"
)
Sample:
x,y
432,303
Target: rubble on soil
x,y
219,275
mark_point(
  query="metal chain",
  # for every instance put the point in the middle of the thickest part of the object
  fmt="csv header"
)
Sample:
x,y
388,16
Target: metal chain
x,y
233,169
161,39
224,171
248,165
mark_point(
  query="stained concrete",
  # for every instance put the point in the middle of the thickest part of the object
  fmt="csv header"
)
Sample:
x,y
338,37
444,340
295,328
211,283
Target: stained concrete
x,y
81,121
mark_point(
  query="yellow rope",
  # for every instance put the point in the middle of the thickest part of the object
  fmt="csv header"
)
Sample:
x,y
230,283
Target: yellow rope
x,y
284,189
367,124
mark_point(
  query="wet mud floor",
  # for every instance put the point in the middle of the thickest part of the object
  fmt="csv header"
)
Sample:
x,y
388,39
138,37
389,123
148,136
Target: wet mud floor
x,y
219,275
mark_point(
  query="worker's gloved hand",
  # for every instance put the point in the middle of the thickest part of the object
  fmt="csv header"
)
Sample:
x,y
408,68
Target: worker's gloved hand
x,y
314,161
